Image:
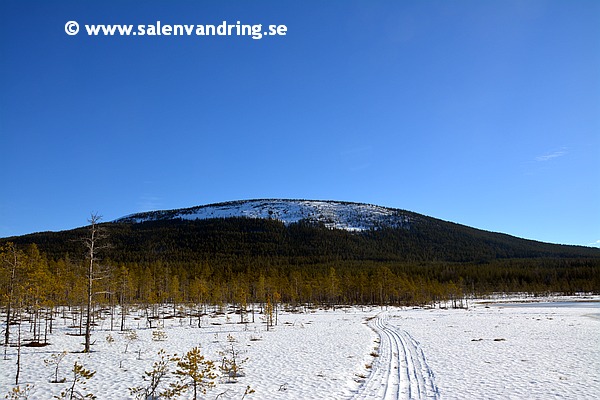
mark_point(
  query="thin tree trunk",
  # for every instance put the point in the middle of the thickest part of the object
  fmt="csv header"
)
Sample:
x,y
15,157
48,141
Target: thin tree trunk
x,y
88,317
80,319
46,330
18,352
51,318
8,311
123,313
91,245
11,286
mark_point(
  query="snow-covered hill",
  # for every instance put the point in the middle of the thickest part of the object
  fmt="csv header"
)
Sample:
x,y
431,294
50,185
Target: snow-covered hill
x,y
334,214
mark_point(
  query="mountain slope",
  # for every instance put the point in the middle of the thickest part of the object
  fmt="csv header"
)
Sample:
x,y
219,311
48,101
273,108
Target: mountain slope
x,y
293,231
319,251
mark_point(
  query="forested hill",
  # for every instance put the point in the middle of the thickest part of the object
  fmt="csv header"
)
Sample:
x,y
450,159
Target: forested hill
x,y
334,254
235,238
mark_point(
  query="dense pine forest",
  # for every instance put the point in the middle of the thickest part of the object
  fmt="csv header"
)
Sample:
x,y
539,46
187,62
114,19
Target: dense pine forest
x,y
243,261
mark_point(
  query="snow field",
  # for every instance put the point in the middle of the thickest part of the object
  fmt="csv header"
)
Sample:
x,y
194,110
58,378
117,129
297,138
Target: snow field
x,y
509,352
485,352
319,354
334,214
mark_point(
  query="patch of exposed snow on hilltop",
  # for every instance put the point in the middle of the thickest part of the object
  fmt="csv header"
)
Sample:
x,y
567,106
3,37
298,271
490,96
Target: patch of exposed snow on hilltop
x,y
334,214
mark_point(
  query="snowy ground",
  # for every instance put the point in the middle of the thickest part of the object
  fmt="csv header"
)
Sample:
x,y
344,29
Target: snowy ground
x,y
542,351
485,352
311,354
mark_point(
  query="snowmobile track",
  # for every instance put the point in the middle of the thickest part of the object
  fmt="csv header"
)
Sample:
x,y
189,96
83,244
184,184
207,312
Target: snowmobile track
x,y
400,371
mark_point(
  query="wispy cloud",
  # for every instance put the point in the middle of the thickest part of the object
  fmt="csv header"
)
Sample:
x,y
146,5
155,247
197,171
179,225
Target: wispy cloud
x,y
149,203
550,156
595,244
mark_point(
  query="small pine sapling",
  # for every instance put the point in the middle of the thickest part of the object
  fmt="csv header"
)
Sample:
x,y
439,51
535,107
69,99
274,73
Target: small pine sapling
x,y
248,391
159,371
159,335
131,336
231,364
80,377
110,339
18,393
194,372
56,359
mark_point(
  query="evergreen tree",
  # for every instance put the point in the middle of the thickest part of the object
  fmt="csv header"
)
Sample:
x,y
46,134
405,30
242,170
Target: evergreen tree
x,y
195,373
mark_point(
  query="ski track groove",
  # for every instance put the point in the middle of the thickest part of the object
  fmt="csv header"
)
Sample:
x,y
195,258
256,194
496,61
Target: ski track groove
x,y
401,370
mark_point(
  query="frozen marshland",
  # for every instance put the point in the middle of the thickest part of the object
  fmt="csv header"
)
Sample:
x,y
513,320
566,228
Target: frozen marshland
x,y
488,351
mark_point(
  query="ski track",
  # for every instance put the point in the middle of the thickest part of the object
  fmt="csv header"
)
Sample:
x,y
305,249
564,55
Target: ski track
x,y
401,370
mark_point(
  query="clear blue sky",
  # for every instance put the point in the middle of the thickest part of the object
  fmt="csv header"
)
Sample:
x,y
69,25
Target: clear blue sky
x,y
485,113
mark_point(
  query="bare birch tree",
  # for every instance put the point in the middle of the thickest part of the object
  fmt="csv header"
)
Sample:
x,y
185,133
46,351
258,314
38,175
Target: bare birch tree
x,y
93,243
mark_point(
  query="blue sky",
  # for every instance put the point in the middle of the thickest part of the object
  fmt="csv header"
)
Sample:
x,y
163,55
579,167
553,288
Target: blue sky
x,y
485,113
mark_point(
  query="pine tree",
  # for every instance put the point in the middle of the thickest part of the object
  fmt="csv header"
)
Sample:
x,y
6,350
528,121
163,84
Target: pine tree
x,y
194,372
154,378
55,360
231,364
80,377
12,264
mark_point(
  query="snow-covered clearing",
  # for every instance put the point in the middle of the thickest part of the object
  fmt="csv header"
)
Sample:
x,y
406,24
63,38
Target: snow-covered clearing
x,y
310,354
543,351
485,352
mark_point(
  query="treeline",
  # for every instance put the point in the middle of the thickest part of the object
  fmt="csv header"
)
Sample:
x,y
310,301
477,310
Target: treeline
x,y
40,281
183,241
244,261
33,286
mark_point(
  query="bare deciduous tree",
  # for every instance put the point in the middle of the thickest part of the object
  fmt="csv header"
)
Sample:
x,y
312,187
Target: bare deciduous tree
x,y
93,243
